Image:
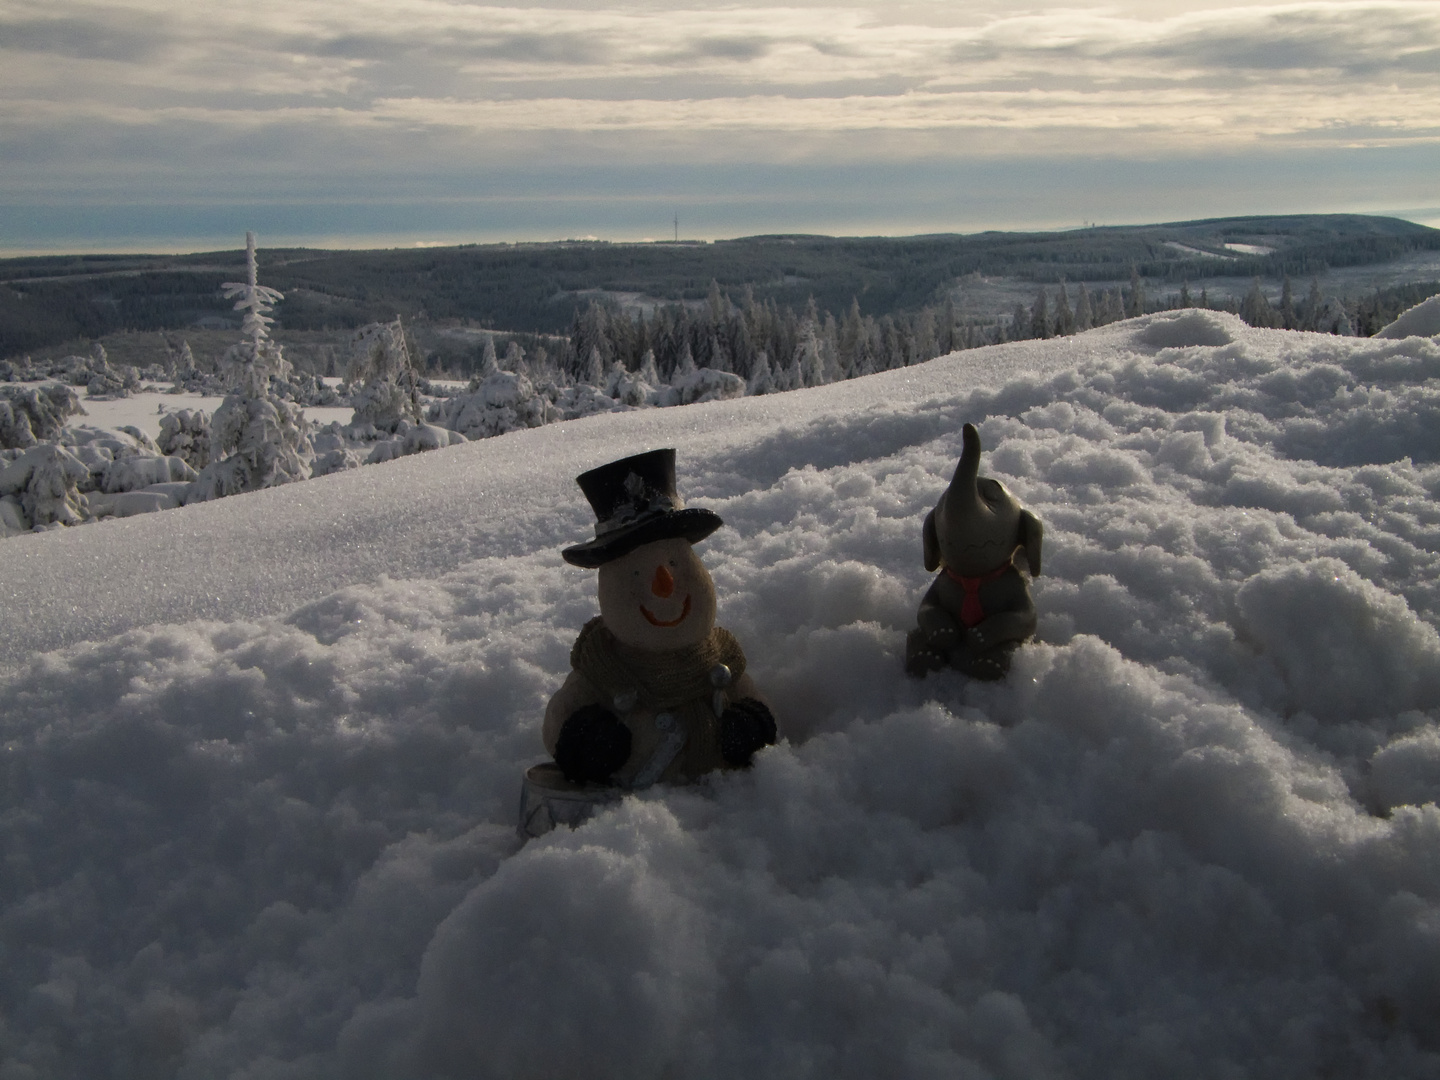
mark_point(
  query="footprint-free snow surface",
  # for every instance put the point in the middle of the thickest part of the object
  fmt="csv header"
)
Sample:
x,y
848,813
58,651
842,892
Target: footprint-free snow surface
x,y
262,756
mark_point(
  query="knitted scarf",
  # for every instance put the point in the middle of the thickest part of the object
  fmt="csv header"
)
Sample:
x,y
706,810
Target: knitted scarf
x,y
663,680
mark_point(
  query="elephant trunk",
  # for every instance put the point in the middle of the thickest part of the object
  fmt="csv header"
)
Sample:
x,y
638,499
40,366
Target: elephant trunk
x,y
963,490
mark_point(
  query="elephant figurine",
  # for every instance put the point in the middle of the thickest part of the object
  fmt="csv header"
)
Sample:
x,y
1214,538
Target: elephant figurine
x,y
978,610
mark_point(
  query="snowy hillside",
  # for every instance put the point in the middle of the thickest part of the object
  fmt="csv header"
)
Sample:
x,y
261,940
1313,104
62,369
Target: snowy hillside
x,y
263,754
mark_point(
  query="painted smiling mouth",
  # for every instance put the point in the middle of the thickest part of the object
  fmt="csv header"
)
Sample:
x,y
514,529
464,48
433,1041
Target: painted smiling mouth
x,y
654,621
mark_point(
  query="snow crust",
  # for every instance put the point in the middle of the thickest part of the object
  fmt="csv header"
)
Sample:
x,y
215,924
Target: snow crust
x,y
263,754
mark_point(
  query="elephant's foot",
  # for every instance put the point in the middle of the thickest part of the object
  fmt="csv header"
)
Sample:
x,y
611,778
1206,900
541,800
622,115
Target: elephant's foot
x,y
922,654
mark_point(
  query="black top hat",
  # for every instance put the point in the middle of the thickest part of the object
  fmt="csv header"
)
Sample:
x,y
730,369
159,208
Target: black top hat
x,y
635,503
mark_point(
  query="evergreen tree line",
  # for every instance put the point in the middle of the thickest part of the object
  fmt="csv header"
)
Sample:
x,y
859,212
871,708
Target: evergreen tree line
x,y
767,344
775,347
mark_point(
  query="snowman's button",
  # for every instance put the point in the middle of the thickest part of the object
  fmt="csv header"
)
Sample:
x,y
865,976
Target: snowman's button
x,y
719,676
665,721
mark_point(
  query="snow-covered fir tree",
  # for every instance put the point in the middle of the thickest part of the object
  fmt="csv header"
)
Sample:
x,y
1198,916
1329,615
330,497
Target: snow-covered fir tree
x,y
258,440
1019,323
1135,298
593,374
808,358
1064,317
186,434
489,362
1040,316
387,392
762,380
1310,320
515,358
1255,309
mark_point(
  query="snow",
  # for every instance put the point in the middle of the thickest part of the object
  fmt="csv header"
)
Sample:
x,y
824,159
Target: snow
x,y
1175,245
1422,320
145,410
263,754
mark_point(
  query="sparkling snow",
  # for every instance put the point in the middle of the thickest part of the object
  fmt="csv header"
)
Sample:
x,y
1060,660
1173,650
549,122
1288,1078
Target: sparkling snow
x,y
263,754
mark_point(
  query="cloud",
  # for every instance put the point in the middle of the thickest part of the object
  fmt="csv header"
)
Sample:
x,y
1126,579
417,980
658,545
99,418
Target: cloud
x,y
751,47
83,39
294,87
484,57
1364,39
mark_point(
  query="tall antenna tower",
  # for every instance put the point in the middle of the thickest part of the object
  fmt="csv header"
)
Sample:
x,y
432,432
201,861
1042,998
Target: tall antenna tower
x,y
677,228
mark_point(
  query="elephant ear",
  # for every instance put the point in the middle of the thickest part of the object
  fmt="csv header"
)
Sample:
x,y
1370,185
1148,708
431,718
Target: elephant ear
x,y
1032,538
932,543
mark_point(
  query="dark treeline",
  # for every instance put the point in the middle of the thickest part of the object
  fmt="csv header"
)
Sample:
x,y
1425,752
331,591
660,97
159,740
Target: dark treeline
x,y
533,288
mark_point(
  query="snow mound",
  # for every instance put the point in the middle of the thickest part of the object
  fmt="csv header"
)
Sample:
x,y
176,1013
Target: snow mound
x,y
1422,320
1189,329
263,754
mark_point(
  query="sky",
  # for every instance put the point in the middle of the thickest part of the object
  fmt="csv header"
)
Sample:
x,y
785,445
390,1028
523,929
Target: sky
x,y
262,755
127,123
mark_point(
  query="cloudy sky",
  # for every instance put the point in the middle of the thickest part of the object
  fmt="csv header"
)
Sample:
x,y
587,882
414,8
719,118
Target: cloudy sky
x,y
166,124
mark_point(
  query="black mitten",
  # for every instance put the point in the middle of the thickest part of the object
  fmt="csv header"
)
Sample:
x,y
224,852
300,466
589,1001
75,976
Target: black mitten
x,y
745,727
593,743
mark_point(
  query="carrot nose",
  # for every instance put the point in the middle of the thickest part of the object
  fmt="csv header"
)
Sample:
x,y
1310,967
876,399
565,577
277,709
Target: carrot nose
x,y
662,584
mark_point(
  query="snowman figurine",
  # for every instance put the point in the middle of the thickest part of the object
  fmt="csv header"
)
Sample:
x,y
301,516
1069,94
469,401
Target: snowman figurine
x,y
657,691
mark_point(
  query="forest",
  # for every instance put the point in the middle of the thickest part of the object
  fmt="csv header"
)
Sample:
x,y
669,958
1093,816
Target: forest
x,y
548,289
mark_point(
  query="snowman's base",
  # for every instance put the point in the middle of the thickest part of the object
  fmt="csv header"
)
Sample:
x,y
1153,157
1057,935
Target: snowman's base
x,y
547,799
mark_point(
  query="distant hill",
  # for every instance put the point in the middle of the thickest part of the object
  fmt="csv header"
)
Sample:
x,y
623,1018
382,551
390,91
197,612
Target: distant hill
x,y
50,300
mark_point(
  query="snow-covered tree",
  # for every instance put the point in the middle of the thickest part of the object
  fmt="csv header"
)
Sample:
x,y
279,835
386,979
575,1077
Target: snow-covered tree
x,y
103,381
501,401
384,375
1064,317
1110,308
1019,323
489,361
1040,316
35,414
1314,302
593,374
185,364
249,364
762,380
258,440
186,434
515,358
41,488
591,333
702,384
686,365
1255,309
808,359
1135,298
948,336
1334,319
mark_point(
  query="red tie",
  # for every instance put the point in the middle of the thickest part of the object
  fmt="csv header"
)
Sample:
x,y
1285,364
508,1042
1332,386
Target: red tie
x,y
971,611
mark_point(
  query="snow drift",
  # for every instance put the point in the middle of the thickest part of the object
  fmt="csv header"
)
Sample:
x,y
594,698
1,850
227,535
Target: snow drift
x,y
262,755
